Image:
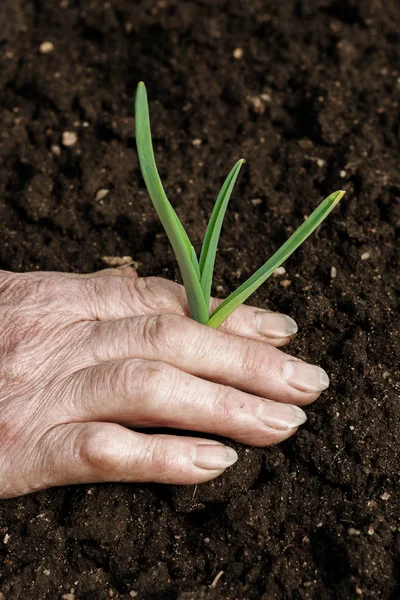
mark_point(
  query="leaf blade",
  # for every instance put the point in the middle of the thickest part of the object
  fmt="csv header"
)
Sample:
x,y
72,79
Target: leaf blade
x,y
168,217
210,242
261,275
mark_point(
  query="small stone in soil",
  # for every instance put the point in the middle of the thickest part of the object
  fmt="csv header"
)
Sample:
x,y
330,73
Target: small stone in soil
x,y
333,272
56,150
279,271
118,261
285,283
256,201
46,47
237,53
365,256
133,594
102,194
385,496
196,142
342,174
256,105
69,139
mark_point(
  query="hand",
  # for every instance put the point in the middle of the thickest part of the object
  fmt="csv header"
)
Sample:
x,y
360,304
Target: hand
x,y
84,358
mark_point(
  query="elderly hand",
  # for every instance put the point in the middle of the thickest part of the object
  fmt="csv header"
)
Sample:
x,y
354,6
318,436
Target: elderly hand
x,y
85,358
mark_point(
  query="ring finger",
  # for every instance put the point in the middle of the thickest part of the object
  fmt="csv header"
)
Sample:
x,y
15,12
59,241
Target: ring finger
x,y
142,393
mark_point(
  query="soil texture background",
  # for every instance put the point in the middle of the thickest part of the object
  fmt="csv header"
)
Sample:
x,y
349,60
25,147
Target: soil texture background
x,y
308,92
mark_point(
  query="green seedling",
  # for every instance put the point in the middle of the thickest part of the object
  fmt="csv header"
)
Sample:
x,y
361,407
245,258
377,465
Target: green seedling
x,y
197,272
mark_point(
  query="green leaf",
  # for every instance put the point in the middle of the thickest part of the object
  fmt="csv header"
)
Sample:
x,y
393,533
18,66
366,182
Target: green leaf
x,y
171,223
246,289
210,243
195,262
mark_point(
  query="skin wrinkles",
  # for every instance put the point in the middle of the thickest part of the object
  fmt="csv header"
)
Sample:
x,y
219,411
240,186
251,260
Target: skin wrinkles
x,y
86,361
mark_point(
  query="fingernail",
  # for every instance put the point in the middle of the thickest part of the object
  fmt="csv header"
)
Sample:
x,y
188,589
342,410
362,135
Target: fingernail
x,y
274,325
281,416
215,457
305,377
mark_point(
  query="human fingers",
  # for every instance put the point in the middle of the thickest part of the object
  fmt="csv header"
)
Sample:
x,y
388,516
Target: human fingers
x,y
105,452
142,393
211,354
118,299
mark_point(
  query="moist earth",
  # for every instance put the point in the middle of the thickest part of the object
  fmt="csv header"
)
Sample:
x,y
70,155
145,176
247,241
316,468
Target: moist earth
x,y
308,92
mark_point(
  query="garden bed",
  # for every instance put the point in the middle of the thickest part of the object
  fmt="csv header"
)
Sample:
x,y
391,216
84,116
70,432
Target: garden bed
x,y
308,92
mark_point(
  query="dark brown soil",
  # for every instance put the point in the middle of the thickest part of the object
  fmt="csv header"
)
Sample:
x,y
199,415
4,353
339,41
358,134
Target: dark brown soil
x,y
313,105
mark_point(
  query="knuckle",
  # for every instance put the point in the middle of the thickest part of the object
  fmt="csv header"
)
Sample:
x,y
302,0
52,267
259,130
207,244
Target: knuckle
x,y
141,378
148,293
164,332
154,295
95,450
223,411
159,457
253,360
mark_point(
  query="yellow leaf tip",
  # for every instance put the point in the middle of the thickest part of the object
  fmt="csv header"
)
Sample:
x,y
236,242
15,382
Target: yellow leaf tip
x,y
340,194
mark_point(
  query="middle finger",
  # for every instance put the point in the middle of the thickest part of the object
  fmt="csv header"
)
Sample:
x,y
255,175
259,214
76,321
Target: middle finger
x,y
212,354
141,393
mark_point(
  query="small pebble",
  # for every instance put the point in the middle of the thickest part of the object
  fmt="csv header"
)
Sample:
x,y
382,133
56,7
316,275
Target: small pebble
x,y
206,540
102,194
385,374
265,97
321,162
342,174
370,531
196,142
117,261
219,288
351,427
285,283
385,496
333,272
46,572
6,538
69,138
365,256
238,53
279,271
133,594
353,531
46,47
256,201
56,150
256,104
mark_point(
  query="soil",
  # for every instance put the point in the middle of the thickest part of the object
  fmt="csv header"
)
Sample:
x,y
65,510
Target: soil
x,y
308,92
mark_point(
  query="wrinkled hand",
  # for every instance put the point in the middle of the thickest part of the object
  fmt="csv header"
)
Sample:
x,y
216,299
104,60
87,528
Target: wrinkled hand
x,y
84,358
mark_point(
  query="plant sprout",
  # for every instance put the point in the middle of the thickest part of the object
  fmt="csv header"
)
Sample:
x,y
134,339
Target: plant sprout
x,y
197,272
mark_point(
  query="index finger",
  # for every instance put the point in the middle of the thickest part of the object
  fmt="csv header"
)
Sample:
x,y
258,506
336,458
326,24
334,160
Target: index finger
x,y
119,298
